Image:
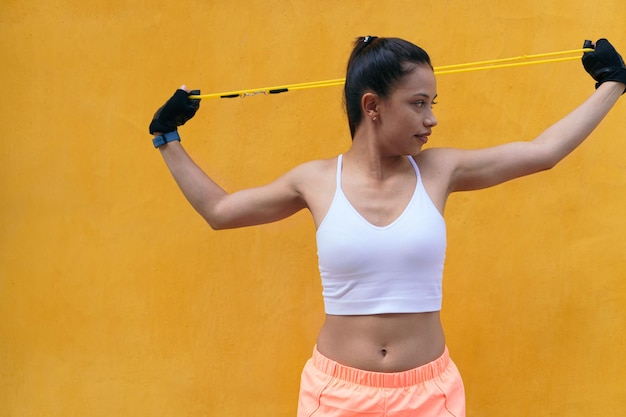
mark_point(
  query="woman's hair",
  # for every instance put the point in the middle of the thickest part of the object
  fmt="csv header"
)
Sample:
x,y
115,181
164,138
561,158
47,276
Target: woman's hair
x,y
377,65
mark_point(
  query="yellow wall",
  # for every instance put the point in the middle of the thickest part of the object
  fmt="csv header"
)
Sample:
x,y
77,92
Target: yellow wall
x,y
117,300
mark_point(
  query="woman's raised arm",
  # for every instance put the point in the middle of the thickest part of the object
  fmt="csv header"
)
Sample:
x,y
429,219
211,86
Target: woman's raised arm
x,y
220,209
483,168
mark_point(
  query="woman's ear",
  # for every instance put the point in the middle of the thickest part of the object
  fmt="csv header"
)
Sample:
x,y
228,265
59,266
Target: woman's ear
x,y
369,105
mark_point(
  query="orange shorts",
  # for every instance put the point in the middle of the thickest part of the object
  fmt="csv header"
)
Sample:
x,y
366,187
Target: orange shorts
x,y
329,389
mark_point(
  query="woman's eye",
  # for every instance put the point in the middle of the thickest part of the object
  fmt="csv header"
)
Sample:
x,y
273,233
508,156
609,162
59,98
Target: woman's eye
x,y
421,104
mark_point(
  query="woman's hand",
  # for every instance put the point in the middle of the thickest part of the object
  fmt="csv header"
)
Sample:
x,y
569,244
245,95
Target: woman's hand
x,y
605,64
175,112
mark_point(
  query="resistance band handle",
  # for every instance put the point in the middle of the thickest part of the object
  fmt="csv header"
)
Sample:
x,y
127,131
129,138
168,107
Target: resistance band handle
x,y
274,91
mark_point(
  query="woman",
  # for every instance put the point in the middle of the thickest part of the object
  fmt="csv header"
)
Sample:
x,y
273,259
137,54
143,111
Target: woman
x,y
380,232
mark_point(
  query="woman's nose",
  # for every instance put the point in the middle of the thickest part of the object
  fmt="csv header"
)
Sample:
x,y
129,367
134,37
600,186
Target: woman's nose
x,y
431,120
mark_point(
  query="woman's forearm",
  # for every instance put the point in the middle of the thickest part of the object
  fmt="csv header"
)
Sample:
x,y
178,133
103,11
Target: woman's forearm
x,y
569,132
200,190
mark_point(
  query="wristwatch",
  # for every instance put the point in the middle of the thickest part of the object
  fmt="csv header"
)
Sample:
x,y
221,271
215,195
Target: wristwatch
x,y
166,138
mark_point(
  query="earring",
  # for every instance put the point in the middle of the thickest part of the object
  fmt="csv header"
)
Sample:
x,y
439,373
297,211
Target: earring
x,y
374,119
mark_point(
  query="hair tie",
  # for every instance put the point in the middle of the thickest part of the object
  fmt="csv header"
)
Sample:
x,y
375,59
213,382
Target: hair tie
x,y
368,39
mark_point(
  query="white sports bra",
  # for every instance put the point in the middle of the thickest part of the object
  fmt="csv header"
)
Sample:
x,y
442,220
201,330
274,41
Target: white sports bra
x,y
366,269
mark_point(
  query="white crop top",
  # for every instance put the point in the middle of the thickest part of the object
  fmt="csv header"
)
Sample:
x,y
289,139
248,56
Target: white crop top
x,y
367,269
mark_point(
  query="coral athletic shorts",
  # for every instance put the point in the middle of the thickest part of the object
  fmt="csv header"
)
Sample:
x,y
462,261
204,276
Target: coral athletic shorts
x,y
329,389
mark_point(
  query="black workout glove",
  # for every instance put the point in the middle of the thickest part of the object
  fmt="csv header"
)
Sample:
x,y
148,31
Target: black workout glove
x,y
175,112
604,63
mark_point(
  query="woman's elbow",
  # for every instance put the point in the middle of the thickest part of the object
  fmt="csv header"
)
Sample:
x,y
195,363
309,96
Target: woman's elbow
x,y
212,217
548,164
217,222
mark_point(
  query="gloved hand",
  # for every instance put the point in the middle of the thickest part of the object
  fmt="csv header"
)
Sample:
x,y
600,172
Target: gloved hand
x,y
175,112
604,63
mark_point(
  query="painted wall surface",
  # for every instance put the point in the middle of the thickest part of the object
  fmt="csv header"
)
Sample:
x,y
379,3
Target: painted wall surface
x,y
117,299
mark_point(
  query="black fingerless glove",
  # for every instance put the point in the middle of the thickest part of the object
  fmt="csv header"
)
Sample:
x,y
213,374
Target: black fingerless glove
x,y
175,112
604,63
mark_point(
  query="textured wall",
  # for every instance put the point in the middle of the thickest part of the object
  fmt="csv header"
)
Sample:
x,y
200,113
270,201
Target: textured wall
x,y
117,299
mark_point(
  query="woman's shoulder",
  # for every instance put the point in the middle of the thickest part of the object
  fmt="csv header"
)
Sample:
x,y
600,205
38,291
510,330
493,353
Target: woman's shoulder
x,y
316,167
315,181
435,158
436,166
312,175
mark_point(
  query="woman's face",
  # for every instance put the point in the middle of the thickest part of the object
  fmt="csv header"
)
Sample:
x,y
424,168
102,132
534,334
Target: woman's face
x,y
406,116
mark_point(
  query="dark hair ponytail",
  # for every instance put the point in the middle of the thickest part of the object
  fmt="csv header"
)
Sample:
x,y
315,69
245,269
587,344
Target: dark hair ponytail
x,y
376,65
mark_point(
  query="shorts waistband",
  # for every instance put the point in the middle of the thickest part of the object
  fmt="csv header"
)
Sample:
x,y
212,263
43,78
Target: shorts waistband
x,y
414,376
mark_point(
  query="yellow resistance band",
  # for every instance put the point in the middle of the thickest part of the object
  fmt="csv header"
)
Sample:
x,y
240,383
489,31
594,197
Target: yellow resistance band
x,y
446,69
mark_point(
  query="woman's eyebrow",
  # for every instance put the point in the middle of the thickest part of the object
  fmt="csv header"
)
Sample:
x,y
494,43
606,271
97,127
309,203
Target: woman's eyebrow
x,y
424,95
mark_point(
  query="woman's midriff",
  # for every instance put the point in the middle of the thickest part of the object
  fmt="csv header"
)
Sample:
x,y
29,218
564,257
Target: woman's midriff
x,y
383,342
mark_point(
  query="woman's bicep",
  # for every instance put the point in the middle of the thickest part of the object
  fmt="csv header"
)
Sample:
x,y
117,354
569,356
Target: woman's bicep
x,y
259,205
483,168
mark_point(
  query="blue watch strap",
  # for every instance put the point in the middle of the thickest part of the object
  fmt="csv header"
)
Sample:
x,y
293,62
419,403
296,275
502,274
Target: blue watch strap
x,y
165,138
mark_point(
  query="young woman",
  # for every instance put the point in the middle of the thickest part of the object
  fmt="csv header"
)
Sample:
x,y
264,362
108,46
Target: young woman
x,y
380,232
